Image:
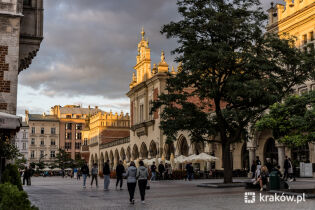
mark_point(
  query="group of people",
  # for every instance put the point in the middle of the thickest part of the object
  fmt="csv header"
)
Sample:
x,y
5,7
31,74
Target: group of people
x,y
164,172
133,175
260,173
27,173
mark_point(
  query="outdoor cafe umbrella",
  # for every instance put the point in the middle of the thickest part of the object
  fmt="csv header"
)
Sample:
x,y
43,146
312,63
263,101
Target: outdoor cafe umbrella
x,y
180,159
56,169
203,157
46,169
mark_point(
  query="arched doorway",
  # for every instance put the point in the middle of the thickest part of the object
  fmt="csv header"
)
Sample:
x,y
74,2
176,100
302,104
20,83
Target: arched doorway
x,y
135,152
300,154
198,147
152,149
182,146
128,153
122,154
144,151
111,159
116,160
245,158
169,149
106,156
271,151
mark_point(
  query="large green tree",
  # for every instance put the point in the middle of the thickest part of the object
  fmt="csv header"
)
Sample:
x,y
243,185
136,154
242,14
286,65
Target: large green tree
x,y
63,159
293,121
230,64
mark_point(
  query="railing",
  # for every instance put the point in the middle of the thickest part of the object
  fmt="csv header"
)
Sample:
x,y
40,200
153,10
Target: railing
x,y
115,142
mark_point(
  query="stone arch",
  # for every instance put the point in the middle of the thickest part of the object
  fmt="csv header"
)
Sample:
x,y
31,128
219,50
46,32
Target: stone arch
x,y
182,146
153,149
128,153
135,152
168,150
106,156
111,159
122,154
198,147
116,158
271,151
96,159
245,164
144,151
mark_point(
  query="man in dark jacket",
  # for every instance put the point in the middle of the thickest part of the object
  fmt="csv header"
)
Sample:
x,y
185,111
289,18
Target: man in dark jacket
x,y
286,167
106,173
153,172
161,170
120,169
85,172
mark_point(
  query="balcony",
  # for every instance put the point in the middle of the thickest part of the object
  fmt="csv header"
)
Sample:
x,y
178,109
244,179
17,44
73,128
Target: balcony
x,y
115,142
141,129
84,148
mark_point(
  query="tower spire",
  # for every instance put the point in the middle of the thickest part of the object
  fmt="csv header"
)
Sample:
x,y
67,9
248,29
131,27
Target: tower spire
x,y
142,33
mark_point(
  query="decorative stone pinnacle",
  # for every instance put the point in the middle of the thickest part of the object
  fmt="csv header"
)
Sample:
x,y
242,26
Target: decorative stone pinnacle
x,y
162,56
142,33
134,77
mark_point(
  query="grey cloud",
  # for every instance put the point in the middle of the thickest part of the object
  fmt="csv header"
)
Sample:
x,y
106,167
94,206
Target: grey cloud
x,y
89,46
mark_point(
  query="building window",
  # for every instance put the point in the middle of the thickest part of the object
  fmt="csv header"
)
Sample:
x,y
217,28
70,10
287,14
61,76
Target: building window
x,y
52,154
16,145
27,2
42,153
78,116
141,112
78,126
33,130
52,142
68,135
42,142
77,145
24,145
24,136
32,141
53,130
85,141
312,36
78,136
32,154
304,39
68,116
42,130
313,87
68,126
68,145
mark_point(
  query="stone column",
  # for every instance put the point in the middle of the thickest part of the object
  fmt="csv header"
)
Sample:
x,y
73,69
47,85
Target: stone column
x,y
281,156
251,154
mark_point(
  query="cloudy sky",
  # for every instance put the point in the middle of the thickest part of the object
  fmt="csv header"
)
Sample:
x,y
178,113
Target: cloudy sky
x,y
89,50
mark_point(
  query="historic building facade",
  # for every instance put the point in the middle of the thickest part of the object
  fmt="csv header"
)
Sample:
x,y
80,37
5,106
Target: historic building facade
x,y
296,18
21,32
105,128
43,140
21,140
72,121
146,138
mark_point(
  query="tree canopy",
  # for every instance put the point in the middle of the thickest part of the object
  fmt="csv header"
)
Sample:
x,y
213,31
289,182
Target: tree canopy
x,y
293,121
231,66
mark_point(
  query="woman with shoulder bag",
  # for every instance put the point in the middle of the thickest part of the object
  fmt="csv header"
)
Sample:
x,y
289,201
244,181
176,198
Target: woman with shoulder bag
x,y
142,175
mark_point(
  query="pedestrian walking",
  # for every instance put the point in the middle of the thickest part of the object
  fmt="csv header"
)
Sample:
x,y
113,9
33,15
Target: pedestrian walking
x,y
153,172
131,176
166,171
85,172
106,173
26,175
78,174
291,171
142,175
161,169
286,166
170,172
120,169
253,169
258,162
94,173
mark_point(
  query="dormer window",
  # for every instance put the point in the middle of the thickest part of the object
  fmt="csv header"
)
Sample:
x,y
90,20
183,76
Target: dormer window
x,y
27,2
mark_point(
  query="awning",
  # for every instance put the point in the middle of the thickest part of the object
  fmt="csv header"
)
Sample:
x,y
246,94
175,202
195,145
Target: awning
x,y
9,121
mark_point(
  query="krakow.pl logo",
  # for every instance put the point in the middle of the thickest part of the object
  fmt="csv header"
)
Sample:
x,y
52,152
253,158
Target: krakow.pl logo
x,y
249,197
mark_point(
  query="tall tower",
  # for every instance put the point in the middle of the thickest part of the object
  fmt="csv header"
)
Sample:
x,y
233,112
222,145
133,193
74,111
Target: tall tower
x,y
143,66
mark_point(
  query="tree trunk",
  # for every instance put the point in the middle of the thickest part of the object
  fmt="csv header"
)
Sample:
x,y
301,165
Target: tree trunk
x,y
226,156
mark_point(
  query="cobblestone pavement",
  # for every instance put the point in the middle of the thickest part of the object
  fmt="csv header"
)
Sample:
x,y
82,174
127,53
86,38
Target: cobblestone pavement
x,y
54,193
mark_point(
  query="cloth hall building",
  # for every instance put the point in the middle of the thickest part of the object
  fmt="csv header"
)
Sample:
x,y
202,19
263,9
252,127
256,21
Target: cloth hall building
x,y
146,140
